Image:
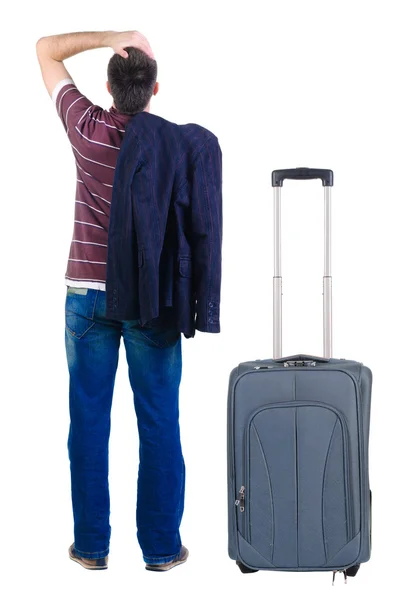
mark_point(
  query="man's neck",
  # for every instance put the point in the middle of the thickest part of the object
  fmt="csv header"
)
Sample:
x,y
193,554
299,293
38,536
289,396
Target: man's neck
x,y
147,108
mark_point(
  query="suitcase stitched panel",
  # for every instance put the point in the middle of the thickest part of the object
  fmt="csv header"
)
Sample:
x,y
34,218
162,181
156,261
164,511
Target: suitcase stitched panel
x,y
301,506
304,489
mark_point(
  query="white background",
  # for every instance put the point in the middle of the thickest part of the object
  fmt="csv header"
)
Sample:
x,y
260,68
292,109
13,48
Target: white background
x,y
282,84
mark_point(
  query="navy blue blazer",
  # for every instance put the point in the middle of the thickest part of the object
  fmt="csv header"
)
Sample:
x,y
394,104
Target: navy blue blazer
x,y
165,230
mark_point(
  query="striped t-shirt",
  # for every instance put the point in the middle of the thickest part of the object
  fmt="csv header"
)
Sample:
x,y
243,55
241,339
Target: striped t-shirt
x,y
95,135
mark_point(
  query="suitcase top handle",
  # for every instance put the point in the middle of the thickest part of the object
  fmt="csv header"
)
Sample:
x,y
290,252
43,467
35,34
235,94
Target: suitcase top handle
x,y
302,358
278,176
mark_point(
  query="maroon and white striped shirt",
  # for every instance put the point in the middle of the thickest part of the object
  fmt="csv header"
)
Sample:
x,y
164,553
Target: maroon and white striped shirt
x,y
95,135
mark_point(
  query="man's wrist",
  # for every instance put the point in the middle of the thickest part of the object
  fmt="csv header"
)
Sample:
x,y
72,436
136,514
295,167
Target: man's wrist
x,y
107,38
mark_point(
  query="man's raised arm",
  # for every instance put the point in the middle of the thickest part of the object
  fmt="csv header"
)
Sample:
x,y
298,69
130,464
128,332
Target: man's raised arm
x,y
54,49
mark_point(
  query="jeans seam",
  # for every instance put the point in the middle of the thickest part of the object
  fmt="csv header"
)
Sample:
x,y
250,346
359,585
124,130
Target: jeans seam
x,y
95,303
73,333
180,496
151,340
162,558
91,553
166,344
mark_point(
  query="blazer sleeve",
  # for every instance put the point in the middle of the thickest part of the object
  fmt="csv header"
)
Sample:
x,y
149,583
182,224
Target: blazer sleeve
x,y
206,235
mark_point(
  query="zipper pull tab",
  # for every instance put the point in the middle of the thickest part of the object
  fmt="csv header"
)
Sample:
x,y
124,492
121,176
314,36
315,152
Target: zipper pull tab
x,y
240,500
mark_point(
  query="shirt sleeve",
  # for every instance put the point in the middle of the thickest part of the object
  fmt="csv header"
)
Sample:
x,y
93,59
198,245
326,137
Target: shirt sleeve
x,y
71,105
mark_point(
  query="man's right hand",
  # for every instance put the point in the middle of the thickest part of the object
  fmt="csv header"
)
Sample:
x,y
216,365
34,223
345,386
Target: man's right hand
x,y
120,40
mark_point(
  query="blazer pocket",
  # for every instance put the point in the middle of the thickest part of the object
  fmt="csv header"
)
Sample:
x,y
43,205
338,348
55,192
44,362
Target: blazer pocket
x,y
185,267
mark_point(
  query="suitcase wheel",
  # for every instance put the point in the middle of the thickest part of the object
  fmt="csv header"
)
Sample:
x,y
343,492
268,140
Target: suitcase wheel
x,y
352,571
244,568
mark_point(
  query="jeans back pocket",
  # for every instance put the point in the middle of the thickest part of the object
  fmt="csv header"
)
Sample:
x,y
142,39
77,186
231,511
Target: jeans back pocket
x,y
80,310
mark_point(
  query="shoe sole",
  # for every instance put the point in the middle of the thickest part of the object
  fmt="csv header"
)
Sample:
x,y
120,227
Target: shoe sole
x,y
168,566
80,562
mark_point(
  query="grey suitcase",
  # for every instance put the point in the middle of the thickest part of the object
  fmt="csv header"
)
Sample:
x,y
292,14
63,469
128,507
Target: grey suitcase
x,y
298,431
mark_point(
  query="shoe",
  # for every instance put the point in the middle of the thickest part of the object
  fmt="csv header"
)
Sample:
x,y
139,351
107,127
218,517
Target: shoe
x,y
88,563
184,553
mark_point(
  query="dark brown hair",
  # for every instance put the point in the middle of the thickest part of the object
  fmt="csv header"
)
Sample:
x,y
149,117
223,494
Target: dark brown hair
x,y
132,80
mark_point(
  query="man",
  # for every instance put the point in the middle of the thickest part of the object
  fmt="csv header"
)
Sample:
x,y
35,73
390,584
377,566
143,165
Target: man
x,y
92,340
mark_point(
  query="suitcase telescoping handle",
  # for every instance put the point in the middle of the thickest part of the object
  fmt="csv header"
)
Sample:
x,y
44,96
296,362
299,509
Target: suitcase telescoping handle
x,y
326,175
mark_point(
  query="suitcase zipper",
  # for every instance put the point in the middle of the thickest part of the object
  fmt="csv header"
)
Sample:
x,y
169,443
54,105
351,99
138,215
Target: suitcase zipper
x,y
240,499
240,504
289,363
299,363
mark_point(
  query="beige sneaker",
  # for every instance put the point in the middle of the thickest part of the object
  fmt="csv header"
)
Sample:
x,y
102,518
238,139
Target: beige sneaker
x,y
184,553
88,563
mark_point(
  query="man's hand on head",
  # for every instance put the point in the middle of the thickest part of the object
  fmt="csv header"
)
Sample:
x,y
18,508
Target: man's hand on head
x,y
118,41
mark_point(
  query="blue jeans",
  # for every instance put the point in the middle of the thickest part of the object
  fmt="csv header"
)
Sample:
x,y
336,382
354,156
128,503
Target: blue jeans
x,y
154,358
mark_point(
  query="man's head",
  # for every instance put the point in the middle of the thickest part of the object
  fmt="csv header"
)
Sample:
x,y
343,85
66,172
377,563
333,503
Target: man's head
x,y
132,81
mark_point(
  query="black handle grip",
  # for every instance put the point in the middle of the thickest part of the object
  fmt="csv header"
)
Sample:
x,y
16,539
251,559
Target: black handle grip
x,y
277,177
